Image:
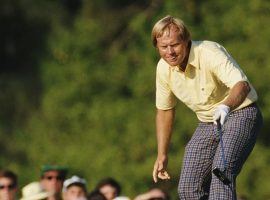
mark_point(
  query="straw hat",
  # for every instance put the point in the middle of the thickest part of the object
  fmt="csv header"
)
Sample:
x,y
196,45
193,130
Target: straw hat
x,y
33,191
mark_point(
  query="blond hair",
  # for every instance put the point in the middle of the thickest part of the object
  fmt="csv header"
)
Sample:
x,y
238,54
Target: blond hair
x,y
166,23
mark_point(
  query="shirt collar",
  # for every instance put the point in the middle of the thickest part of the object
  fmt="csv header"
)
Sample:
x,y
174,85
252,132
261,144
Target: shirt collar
x,y
193,59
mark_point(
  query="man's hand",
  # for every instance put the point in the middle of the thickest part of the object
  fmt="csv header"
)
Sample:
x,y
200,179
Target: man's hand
x,y
159,170
221,113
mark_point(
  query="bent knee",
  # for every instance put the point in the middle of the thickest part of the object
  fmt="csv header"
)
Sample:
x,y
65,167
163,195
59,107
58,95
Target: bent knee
x,y
187,190
190,190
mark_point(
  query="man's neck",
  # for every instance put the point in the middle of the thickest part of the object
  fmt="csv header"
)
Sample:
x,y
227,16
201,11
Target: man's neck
x,y
183,65
54,197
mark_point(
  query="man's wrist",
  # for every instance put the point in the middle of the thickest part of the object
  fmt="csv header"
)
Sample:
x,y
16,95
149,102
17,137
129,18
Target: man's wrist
x,y
225,107
162,156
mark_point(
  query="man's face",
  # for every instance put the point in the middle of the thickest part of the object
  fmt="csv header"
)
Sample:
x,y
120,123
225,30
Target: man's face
x,y
7,189
74,192
108,191
171,48
52,181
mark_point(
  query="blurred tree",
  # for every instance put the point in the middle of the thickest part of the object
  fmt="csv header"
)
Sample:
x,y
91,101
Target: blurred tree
x,y
79,85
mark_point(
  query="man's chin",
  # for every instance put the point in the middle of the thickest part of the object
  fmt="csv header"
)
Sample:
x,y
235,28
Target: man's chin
x,y
172,63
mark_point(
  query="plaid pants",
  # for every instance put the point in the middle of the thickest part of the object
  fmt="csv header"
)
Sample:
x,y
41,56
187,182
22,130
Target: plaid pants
x,y
203,154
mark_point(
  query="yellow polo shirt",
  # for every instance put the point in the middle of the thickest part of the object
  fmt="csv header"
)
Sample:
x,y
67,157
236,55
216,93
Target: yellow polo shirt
x,y
209,75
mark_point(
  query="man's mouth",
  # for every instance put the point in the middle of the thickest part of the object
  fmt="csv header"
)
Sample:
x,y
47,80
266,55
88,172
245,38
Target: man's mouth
x,y
172,59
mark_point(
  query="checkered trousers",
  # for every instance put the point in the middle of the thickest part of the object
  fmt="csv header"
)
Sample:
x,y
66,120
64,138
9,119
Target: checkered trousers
x,y
203,154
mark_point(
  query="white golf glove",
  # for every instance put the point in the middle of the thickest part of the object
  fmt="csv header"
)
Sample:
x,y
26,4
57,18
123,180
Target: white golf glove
x,y
221,113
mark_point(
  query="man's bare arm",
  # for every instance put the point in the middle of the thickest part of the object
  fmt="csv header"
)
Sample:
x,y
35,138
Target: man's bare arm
x,y
164,125
237,94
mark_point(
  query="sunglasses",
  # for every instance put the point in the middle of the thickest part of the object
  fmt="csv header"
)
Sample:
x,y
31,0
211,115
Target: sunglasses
x,y
58,178
9,187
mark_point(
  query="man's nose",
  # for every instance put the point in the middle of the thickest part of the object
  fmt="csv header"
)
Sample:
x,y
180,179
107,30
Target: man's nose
x,y
170,49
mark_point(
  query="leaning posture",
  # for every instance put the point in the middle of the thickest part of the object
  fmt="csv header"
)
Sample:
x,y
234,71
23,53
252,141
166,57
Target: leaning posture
x,y
204,76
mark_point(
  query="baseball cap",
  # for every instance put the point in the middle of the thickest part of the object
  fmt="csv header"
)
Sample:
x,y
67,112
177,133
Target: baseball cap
x,y
62,169
74,180
121,198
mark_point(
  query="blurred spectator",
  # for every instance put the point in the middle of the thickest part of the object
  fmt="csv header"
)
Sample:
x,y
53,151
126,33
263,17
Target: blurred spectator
x,y
109,187
74,189
8,185
96,195
34,191
52,178
153,194
121,198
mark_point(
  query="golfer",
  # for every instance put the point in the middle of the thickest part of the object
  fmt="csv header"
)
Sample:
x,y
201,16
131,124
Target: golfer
x,y
204,76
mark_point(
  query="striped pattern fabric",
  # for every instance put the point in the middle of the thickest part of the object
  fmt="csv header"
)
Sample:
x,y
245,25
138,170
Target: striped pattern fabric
x,y
203,154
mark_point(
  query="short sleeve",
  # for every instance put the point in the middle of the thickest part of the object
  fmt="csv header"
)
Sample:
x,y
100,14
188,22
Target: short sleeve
x,y
226,68
165,99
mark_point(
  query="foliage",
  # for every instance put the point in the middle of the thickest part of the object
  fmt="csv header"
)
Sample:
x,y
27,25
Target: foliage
x,y
80,89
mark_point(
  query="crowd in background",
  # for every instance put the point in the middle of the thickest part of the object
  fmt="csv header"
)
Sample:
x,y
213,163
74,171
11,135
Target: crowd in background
x,y
54,184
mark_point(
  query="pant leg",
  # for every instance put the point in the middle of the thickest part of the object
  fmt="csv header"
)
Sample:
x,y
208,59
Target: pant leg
x,y
197,164
239,137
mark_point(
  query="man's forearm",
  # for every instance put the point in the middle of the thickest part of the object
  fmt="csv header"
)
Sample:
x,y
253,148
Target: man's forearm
x,y
237,94
164,125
